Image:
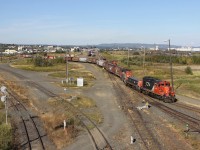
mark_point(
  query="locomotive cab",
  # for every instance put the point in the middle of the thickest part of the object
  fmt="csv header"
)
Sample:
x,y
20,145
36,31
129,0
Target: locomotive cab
x,y
163,89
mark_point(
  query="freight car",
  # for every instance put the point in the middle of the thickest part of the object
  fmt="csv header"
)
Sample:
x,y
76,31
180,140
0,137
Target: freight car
x,y
113,68
83,59
133,83
100,62
92,60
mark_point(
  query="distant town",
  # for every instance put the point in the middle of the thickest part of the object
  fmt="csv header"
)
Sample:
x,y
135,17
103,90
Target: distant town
x,y
10,49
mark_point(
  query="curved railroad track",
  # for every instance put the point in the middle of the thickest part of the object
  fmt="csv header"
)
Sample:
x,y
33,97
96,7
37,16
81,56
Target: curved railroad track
x,y
146,136
33,135
98,138
194,123
188,107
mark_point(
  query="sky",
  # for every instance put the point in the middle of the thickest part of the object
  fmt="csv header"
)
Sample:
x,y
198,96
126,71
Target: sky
x,y
89,22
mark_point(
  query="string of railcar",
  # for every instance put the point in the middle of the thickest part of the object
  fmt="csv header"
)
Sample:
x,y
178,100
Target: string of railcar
x,y
152,86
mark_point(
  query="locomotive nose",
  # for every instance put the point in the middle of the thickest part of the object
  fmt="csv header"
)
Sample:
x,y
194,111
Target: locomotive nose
x,y
167,91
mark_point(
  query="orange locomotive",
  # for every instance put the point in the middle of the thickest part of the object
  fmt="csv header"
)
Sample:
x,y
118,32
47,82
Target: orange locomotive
x,y
157,88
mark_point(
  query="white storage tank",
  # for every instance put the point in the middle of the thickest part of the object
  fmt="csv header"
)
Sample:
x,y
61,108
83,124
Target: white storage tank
x,y
79,81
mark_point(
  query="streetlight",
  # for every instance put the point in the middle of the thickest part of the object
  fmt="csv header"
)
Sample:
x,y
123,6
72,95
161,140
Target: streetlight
x,y
170,63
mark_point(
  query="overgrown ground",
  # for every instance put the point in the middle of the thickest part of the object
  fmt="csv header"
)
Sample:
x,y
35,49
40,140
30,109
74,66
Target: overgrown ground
x,y
184,84
61,111
6,132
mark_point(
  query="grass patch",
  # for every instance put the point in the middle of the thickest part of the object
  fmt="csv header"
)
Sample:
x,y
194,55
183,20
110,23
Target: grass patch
x,y
22,61
27,64
74,74
54,126
1,105
83,102
54,68
31,67
5,134
19,90
95,116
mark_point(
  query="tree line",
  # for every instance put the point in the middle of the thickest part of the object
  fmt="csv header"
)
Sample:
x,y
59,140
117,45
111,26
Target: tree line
x,y
184,60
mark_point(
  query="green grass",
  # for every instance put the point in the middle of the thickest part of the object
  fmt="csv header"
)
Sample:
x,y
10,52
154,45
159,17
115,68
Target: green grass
x,y
83,102
27,64
1,105
59,67
5,134
95,116
74,73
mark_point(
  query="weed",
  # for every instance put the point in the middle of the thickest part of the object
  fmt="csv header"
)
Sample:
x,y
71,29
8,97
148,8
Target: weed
x,y
5,134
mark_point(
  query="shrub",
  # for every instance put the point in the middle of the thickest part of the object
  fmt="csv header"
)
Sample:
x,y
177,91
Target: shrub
x,y
5,134
41,62
59,60
188,70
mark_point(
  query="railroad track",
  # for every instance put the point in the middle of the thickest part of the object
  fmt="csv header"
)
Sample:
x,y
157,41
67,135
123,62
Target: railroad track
x,y
146,136
185,106
33,135
98,138
194,123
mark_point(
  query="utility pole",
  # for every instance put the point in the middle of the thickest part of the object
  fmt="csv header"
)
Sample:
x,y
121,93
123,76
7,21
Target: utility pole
x,y
170,63
66,67
171,70
143,60
6,108
128,58
1,56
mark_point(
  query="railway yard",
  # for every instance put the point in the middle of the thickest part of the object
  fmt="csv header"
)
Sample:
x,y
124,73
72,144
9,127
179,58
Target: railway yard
x,y
107,114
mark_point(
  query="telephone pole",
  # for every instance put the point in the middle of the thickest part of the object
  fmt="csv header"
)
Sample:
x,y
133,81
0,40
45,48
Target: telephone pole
x,y
66,66
170,63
